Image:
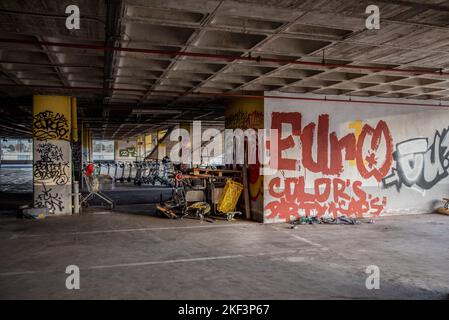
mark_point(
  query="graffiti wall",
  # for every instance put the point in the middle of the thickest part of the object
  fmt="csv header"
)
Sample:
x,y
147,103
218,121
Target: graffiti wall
x,y
356,159
249,114
126,150
52,155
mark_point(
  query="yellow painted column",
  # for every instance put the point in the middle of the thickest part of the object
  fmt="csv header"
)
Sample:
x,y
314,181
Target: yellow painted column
x,y
52,159
148,144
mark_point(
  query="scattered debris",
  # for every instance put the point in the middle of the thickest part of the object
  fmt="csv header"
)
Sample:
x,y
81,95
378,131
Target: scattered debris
x,y
33,213
199,210
166,210
307,220
322,220
179,206
445,208
443,211
446,203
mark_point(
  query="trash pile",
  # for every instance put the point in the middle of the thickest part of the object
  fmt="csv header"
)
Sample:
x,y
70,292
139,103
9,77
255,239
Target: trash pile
x,y
445,208
323,220
179,206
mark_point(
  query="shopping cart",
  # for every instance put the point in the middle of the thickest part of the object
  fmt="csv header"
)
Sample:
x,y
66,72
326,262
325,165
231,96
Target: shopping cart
x,y
93,186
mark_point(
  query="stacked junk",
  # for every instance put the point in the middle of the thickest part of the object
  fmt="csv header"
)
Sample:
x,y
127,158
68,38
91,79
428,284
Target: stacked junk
x,y
207,194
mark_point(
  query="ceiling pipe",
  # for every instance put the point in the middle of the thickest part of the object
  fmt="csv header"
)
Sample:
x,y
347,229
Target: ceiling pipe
x,y
222,57
235,95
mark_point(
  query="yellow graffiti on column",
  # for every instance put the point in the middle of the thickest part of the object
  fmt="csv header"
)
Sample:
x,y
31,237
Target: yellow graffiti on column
x,y
51,118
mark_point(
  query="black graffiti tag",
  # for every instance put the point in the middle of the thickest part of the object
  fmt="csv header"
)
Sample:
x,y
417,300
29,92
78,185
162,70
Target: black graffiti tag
x,y
51,164
49,152
48,125
53,201
419,165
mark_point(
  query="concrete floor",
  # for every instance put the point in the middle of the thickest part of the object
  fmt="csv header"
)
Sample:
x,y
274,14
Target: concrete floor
x,y
131,255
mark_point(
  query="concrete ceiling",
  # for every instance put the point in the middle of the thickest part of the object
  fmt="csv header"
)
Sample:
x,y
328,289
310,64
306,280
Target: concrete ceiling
x,y
285,35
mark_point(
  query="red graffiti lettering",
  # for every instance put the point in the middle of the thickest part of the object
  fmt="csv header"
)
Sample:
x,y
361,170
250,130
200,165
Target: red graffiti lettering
x,y
326,154
322,152
333,196
294,119
372,159
321,162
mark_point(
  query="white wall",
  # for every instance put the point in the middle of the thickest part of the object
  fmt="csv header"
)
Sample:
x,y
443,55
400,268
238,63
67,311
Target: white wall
x,y
415,183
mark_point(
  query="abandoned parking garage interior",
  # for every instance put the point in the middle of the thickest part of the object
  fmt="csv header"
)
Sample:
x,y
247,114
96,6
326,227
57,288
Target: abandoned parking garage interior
x,y
224,150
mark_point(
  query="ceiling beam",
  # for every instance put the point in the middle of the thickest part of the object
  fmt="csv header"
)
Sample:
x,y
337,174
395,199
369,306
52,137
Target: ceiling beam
x,y
113,34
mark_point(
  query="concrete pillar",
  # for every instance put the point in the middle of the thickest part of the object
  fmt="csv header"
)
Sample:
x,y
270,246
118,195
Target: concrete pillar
x,y
148,145
52,160
139,147
246,113
76,143
91,146
74,114
85,145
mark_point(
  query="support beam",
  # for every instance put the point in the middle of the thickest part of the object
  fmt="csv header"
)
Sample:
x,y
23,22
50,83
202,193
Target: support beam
x,y
114,10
